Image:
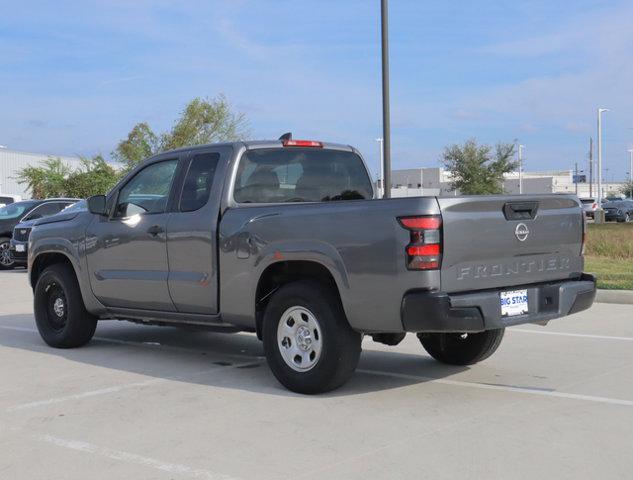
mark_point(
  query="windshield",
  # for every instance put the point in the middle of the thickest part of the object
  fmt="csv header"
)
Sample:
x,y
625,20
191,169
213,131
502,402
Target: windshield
x,y
15,210
276,175
617,204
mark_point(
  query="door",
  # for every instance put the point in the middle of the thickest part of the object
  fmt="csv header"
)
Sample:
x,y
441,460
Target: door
x,y
126,251
192,235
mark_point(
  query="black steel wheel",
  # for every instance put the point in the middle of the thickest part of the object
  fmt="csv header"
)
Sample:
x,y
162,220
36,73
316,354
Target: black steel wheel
x,y
461,348
60,313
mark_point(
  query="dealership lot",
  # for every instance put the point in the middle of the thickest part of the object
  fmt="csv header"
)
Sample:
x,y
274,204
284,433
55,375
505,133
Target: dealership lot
x,y
150,402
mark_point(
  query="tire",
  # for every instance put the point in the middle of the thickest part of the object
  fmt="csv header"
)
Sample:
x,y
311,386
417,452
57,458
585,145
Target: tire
x,y
6,257
461,349
60,313
627,218
308,343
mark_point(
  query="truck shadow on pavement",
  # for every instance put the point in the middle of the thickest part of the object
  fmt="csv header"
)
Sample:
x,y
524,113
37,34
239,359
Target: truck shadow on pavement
x,y
234,361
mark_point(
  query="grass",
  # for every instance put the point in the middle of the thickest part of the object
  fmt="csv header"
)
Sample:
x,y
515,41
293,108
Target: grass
x,y
610,255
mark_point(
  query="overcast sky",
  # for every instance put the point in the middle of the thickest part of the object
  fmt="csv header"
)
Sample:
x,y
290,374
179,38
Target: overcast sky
x,y
76,76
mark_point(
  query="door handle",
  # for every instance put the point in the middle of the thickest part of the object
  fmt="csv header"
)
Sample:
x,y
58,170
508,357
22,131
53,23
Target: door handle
x,y
155,230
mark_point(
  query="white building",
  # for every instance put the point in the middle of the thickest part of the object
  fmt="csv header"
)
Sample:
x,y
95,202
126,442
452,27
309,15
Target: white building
x,y
435,181
12,161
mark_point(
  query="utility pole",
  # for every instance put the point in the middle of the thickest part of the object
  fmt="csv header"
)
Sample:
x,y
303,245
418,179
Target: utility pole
x,y
382,166
600,193
386,125
591,167
631,169
521,147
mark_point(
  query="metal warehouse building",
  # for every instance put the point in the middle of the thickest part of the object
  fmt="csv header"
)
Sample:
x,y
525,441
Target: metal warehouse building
x,y
12,161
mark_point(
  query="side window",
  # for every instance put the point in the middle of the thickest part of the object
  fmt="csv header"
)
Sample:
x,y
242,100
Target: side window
x,y
45,210
147,191
197,186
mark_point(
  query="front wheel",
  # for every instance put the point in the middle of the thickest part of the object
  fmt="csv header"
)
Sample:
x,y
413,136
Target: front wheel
x,y
60,314
461,348
309,345
6,257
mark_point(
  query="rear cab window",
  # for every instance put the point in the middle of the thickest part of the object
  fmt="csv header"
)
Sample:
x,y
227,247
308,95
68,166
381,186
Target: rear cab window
x,y
282,175
198,182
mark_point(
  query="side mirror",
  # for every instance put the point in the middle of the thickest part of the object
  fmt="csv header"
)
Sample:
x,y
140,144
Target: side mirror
x,y
97,204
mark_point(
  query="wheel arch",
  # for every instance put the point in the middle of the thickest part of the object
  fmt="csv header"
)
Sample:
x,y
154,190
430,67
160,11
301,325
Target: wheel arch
x,y
46,259
280,273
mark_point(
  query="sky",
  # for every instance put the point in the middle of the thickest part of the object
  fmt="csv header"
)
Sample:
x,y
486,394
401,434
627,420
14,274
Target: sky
x,y
76,76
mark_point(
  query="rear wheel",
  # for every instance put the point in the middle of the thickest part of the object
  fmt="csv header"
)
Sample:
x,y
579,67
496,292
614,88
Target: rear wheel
x,y
60,314
6,257
309,345
461,348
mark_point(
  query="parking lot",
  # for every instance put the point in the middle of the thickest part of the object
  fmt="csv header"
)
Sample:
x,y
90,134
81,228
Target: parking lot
x,y
149,402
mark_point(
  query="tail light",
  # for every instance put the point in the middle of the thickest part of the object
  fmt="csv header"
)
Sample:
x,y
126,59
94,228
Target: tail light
x,y
301,143
424,251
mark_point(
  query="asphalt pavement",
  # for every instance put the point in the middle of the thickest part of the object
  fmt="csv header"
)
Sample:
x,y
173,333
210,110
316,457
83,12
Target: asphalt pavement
x,y
142,402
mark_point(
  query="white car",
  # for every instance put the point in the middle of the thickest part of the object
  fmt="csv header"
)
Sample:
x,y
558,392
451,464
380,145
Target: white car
x,y
7,198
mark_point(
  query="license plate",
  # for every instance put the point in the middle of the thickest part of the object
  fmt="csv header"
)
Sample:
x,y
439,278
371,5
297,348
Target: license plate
x,y
514,303
19,248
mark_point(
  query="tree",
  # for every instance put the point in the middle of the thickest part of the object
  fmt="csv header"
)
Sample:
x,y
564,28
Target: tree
x,y
95,177
55,179
627,190
140,143
202,121
48,180
475,169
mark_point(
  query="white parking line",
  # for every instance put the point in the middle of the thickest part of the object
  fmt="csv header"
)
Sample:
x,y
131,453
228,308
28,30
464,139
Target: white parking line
x,y
578,335
118,388
79,396
504,388
172,468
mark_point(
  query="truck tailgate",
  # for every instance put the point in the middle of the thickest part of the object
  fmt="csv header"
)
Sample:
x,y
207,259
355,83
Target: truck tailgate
x,y
503,241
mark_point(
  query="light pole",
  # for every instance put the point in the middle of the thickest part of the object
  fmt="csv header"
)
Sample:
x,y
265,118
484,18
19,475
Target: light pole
x,y
600,111
630,168
386,126
382,166
521,147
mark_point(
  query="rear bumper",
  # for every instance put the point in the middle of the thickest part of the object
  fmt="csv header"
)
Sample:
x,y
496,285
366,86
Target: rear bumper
x,y
424,311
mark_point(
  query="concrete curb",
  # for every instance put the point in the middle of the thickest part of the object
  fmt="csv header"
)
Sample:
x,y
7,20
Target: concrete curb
x,y
615,296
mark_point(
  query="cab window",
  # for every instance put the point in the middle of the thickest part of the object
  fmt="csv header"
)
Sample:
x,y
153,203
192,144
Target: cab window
x,y
148,191
198,182
301,175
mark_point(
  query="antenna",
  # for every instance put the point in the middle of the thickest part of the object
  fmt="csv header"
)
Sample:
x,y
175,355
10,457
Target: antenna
x,y
286,136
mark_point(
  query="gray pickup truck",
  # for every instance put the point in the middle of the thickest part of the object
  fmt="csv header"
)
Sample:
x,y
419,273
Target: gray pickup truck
x,y
285,239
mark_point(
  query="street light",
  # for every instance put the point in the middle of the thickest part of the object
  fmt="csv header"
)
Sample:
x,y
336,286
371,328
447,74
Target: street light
x,y
386,126
600,111
521,147
382,166
630,167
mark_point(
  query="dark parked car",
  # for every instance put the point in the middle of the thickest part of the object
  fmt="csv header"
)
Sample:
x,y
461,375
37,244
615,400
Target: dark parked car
x,y
11,215
618,210
21,232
